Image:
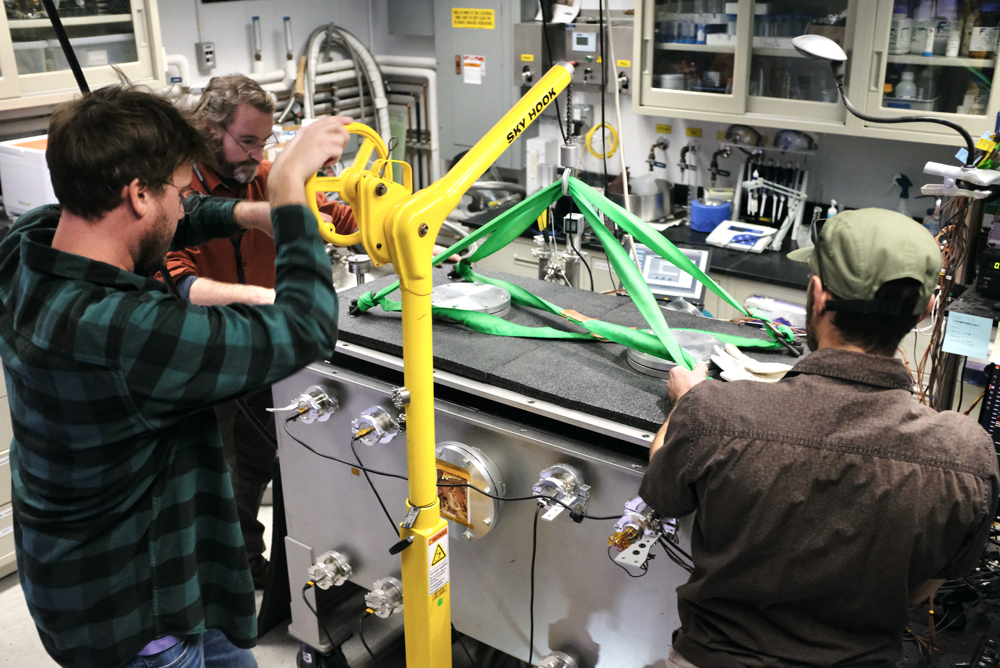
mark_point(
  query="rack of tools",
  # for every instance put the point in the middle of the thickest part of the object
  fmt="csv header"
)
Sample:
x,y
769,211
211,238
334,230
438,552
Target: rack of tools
x,y
769,193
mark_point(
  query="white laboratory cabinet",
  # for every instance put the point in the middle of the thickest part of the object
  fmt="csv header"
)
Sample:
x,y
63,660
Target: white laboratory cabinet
x,y
34,71
741,67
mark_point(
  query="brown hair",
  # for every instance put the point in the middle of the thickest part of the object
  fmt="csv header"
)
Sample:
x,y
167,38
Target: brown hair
x,y
881,334
102,142
220,100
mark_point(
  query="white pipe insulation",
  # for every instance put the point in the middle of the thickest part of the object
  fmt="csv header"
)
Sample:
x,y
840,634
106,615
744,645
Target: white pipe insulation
x,y
183,68
407,61
430,76
375,76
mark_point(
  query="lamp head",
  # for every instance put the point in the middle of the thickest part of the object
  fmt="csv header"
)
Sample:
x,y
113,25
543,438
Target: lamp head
x,y
818,47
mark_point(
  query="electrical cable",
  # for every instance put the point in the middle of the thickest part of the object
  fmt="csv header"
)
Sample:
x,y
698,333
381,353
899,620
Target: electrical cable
x,y
340,461
531,608
392,523
361,634
644,568
569,241
961,381
589,141
548,49
461,642
604,92
536,497
309,585
573,512
254,422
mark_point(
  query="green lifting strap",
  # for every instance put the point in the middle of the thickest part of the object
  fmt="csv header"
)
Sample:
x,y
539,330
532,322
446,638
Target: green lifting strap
x,y
514,222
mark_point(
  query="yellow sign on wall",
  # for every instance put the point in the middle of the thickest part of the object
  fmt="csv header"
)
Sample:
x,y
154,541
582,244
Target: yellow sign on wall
x,y
664,129
472,18
528,57
624,63
694,132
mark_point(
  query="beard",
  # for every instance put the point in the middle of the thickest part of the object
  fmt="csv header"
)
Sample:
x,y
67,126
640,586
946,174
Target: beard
x,y
153,249
811,340
244,171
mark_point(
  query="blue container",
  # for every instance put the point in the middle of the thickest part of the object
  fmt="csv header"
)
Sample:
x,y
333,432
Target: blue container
x,y
706,217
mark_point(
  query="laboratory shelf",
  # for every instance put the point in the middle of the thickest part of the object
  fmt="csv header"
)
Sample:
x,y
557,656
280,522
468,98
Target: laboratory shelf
x,y
710,48
778,52
941,61
24,24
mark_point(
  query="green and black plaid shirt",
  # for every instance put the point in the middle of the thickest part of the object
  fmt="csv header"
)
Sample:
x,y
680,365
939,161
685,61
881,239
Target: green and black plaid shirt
x,y
125,524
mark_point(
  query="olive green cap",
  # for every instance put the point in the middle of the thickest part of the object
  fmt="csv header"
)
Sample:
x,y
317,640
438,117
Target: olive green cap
x,y
864,248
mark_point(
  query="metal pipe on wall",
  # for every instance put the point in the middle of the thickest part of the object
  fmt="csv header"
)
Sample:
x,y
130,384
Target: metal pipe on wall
x,y
430,76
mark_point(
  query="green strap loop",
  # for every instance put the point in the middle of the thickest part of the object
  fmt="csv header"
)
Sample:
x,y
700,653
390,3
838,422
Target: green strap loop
x,y
513,223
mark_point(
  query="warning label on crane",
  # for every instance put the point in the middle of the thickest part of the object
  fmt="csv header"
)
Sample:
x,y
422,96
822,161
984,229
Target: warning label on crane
x,y
438,573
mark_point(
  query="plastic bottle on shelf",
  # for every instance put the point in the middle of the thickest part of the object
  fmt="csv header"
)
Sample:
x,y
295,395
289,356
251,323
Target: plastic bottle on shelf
x,y
906,89
923,18
900,31
985,30
947,28
926,88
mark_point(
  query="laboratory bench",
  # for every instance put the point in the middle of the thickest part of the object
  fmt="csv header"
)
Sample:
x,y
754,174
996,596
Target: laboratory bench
x,y
741,274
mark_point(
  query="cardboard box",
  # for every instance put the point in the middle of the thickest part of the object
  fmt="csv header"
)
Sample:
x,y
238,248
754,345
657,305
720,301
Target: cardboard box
x,y
24,175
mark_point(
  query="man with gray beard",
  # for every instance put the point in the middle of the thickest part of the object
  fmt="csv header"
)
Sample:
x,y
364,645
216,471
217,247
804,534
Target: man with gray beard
x,y
235,116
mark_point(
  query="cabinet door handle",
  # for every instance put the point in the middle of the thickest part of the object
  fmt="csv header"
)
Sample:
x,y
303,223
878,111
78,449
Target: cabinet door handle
x,y
143,37
644,65
874,77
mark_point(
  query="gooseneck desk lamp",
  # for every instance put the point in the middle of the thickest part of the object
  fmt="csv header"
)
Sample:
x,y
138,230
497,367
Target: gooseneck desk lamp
x,y
818,47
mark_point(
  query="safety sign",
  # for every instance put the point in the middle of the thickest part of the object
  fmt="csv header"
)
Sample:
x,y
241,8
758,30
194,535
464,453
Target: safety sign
x,y
438,574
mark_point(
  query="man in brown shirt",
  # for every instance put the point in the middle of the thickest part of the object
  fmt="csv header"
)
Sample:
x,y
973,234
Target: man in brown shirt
x,y
831,501
235,116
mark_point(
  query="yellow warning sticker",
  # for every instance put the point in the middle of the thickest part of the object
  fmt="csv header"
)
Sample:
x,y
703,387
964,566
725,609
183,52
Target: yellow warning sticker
x,y
985,144
720,135
472,18
664,129
438,555
528,57
438,572
694,132
624,63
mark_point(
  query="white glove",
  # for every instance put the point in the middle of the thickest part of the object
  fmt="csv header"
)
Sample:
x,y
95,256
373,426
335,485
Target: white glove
x,y
737,366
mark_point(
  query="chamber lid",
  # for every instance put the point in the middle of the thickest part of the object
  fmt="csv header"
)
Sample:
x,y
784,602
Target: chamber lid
x,y
477,297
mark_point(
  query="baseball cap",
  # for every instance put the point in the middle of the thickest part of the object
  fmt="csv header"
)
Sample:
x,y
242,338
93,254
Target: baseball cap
x,y
865,248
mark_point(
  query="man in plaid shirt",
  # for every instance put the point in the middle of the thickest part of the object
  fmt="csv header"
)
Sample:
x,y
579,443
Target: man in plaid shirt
x,y
128,545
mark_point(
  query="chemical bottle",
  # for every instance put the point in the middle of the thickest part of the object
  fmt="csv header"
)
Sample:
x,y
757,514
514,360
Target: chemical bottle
x,y
926,89
832,211
947,11
923,18
906,89
970,13
983,38
904,183
900,31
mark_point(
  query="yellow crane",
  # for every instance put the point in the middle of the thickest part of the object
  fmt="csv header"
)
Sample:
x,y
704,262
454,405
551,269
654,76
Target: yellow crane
x,y
397,226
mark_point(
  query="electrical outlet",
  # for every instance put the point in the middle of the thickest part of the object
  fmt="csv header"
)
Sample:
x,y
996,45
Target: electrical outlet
x,y
206,55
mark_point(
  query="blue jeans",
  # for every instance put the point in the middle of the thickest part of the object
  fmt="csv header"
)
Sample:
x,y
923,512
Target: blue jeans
x,y
209,650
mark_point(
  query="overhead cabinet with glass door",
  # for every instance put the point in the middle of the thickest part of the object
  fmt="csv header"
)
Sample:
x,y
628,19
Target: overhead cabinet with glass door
x,y
905,57
733,62
35,71
930,57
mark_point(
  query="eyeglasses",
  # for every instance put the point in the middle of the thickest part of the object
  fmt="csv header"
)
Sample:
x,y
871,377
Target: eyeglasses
x,y
815,233
249,147
188,198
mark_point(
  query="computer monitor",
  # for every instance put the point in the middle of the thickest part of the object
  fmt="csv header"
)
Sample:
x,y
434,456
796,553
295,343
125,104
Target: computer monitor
x,y
666,280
